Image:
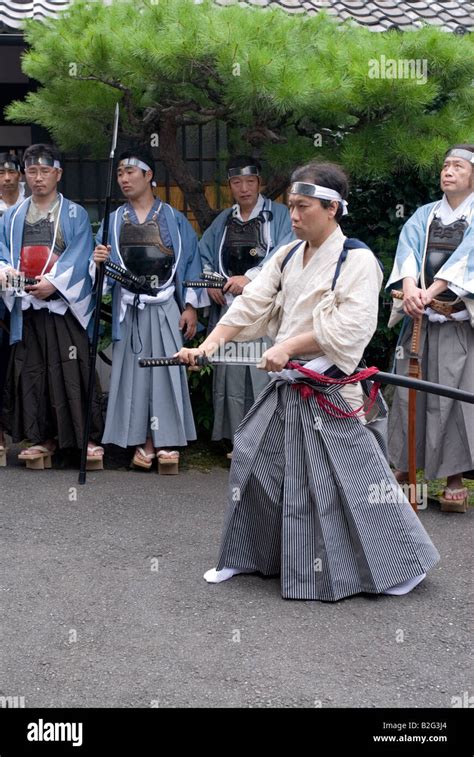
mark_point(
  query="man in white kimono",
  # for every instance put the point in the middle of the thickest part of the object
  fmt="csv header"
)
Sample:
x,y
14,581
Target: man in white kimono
x,y
308,478
434,266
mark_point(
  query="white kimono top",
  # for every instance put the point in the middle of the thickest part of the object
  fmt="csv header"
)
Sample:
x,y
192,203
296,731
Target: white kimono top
x,y
300,299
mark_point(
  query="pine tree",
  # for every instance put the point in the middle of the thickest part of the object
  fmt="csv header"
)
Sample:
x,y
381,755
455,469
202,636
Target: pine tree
x,y
289,87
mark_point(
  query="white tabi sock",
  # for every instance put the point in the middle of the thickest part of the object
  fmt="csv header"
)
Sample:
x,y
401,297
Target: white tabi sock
x,y
214,576
406,586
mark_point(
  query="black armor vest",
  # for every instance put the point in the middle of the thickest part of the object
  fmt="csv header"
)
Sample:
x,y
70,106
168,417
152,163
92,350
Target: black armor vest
x,y
143,251
244,245
442,241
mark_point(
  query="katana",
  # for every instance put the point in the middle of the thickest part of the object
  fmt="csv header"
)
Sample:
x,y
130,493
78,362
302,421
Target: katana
x,y
208,281
380,377
19,281
128,280
99,285
203,284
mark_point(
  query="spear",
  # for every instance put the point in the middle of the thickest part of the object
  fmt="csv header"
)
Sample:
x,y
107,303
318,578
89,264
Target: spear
x,y
99,285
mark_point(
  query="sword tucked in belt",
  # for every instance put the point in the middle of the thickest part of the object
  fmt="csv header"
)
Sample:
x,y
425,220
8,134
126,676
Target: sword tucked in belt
x,y
134,284
440,306
18,281
208,281
379,376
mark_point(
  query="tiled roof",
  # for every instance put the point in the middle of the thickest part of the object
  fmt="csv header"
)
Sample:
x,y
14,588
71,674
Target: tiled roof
x,y
378,15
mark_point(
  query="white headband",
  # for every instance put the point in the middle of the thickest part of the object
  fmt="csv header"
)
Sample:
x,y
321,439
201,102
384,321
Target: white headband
x,y
245,171
135,162
43,160
10,165
461,153
138,164
320,193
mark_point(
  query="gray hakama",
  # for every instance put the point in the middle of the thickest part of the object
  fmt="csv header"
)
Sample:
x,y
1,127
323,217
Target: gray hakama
x,y
444,427
145,401
236,388
308,499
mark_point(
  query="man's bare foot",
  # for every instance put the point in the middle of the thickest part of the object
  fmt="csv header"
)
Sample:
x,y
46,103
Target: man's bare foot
x,y
144,456
455,490
93,450
49,445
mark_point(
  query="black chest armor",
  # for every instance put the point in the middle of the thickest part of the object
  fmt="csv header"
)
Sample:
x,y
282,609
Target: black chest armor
x,y
143,251
35,249
442,241
244,245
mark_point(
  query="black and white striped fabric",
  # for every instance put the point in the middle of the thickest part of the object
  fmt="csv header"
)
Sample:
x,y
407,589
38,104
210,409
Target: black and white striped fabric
x,y
303,502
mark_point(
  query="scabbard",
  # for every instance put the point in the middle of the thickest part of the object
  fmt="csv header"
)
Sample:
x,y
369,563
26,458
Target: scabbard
x,y
380,377
414,373
134,284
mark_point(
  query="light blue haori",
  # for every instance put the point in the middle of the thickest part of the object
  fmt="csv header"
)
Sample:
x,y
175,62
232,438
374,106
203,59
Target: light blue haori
x,y
236,388
70,272
458,270
145,401
444,427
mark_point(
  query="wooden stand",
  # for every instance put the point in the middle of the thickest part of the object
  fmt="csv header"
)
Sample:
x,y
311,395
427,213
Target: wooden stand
x,y
3,459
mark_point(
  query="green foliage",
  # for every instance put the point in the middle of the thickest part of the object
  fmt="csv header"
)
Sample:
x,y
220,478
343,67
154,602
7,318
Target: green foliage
x,y
378,211
200,390
289,87
277,79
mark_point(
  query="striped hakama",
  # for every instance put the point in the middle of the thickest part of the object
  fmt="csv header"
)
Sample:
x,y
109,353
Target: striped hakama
x,y
142,401
308,499
444,427
235,389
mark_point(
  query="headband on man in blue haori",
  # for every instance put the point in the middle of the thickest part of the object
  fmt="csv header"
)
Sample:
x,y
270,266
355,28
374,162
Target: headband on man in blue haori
x,y
10,163
244,171
42,160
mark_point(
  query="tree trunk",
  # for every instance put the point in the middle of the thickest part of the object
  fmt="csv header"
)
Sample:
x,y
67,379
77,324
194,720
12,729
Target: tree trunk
x,y
276,186
192,188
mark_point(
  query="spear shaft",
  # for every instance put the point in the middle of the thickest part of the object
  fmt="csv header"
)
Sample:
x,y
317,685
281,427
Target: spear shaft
x,y
99,285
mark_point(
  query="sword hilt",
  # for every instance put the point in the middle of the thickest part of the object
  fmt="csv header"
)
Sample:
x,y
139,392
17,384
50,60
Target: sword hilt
x,y
203,284
20,281
159,362
133,283
123,271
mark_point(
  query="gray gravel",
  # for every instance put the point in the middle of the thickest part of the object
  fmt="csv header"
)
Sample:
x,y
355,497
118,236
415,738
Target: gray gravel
x,y
104,605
